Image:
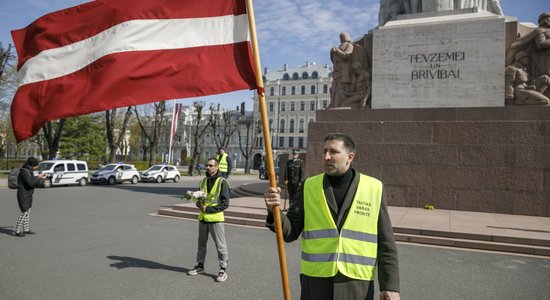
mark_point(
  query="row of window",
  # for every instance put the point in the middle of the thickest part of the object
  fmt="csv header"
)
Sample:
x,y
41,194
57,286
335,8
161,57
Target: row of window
x,y
291,126
290,142
312,105
312,90
305,75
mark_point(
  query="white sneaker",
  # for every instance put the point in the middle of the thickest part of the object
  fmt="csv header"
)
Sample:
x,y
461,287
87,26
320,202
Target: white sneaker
x,y
222,276
196,270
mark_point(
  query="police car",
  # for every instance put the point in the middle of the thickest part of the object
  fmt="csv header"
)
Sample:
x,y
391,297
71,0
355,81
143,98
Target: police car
x,y
161,173
63,172
115,173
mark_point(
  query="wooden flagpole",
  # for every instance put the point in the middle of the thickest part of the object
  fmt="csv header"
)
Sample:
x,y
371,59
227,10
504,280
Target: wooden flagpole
x,y
268,151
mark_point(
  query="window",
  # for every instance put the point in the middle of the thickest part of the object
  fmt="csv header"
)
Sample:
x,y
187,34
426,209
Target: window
x,y
293,90
305,75
325,102
312,90
286,76
314,75
312,105
270,106
282,127
59,168
291,127
302,105
281,142
271,91
283,106
290,142
300,142
303,90
325,89
295,76
283,92
301,126
270,124
292,106
81,167
70,167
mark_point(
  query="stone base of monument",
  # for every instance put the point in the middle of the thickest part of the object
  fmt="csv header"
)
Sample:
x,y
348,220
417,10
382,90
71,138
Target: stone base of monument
x,y
473,159
447,59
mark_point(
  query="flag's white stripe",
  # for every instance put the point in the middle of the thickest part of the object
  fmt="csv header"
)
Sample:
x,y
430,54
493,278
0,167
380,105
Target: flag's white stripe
x,y
135,35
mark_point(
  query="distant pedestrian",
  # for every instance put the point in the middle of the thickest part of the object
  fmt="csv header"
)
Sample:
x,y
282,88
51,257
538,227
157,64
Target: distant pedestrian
x,y
294,175
190,170
199,169
211,218
225,163
26,182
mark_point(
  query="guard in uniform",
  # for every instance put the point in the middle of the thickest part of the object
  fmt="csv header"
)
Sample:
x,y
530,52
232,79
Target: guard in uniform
x,y
294,174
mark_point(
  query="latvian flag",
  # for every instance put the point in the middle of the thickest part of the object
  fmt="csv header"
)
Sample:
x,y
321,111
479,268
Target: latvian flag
x,y
116,53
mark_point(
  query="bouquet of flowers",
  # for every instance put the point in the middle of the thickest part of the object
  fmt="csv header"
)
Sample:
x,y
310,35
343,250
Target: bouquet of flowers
x,y
199,197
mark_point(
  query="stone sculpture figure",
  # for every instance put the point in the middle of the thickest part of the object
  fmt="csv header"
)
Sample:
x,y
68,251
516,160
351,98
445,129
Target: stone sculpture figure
x,y
536,44
488,5
351,79
360,92
518,89
389,10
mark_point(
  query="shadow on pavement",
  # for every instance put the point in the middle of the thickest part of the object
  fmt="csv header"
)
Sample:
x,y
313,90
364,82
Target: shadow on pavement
x,y
6,230
520,229
174,191
132,262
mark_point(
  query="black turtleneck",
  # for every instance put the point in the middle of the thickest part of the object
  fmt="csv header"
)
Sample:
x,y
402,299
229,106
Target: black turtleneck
x,y
340,185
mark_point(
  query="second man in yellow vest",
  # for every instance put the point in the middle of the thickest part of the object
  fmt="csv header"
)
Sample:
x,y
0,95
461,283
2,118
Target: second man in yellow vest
x,y
225,163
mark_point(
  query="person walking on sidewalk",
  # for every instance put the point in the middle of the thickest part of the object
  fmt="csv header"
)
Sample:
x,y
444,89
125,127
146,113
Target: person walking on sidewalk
x,y
345,228
225,163
211,218
26,181
294,175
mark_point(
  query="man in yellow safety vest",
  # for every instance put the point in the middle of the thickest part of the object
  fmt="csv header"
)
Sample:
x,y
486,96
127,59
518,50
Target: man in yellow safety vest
x,y
345,229
211,218
225,163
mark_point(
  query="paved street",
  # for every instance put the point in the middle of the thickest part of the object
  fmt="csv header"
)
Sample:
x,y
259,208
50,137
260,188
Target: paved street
x,y
100,242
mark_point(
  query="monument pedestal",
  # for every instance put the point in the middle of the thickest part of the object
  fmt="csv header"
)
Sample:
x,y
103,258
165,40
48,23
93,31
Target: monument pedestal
x,y
493,160
442,61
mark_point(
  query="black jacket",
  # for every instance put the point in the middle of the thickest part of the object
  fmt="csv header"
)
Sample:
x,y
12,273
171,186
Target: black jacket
x,y
340,286
25,189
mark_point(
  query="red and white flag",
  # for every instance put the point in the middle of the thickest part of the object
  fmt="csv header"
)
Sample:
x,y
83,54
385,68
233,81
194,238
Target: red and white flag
x,y
116,53
175,118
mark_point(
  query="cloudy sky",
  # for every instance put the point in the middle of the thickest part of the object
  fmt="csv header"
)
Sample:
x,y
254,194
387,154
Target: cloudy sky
x,y
289,31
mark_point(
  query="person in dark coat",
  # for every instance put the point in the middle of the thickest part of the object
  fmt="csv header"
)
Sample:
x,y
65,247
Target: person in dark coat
x,y
350,220
294,175
26,182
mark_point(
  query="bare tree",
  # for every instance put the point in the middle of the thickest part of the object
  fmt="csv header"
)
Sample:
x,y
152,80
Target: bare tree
x,y
246,142
6,57
52,138
155,128
115,142
199,130
224,125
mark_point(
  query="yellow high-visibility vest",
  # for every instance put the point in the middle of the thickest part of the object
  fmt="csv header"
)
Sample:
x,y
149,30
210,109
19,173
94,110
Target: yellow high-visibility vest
x,y
223,162
353,250
212,199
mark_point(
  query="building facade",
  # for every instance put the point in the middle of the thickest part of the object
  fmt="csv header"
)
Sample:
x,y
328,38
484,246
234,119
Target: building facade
x,y
292,97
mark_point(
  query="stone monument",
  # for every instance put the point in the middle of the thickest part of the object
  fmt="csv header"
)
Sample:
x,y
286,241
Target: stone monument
x,y
457,114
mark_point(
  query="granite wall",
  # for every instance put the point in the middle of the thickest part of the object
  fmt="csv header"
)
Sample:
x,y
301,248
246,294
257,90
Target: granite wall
x,y
472,159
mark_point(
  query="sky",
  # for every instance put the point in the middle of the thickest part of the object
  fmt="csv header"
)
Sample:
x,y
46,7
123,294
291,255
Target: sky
x,y
289,31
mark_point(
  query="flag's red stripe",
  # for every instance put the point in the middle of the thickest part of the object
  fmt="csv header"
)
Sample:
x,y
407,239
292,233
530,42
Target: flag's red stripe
x,y
74,24
132,78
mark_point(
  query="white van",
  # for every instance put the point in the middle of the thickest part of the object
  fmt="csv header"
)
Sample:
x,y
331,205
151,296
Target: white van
x,y
64,172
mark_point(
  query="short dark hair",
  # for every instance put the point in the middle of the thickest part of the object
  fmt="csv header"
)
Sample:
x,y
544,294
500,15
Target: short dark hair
x,y
214,159
31,161
338,136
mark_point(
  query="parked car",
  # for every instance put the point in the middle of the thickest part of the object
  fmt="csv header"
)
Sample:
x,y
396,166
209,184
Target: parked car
x,y
161,173
63,172
115,173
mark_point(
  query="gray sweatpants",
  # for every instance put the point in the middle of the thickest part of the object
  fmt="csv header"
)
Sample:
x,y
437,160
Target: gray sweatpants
x,y
217,230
